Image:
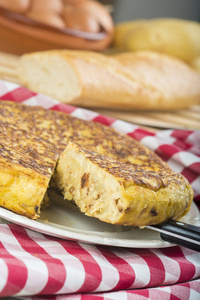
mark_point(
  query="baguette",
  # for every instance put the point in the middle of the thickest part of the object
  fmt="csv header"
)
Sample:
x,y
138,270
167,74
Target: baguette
x,y
145,80
178,84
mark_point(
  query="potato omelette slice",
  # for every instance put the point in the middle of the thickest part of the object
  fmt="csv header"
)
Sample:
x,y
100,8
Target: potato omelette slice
x,y
119,193
27,163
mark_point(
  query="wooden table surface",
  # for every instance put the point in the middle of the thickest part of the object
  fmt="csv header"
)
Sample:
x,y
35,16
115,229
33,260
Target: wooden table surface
x,y
180,119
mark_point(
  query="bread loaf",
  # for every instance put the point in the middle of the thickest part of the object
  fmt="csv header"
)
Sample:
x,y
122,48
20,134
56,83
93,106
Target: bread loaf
x,y
142,80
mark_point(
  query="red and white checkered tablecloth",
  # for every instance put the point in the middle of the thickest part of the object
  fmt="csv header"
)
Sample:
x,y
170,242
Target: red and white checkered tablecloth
x,y
37,266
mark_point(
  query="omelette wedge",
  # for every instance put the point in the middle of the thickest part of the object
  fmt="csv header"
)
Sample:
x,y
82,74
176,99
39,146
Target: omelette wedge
x,y
27,163
119,193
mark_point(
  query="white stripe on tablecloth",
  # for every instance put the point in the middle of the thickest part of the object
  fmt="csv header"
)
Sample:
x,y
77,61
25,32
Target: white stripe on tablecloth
x,y
110,276
123,127
151,142
194,295
74,268
196,186
41,100
84,114
194,138
3,274
119,295
172,267
163,293
176,166
187,158
194,258
36,268
6,87
165,136
139,266
184,159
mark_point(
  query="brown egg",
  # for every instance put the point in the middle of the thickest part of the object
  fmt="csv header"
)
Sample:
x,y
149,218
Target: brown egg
x,y
99,12
92,15
79,20
55,6
74,2
47,18
19,6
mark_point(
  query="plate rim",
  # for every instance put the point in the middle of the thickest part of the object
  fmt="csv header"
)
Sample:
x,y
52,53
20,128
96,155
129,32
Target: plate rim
x,y
85,236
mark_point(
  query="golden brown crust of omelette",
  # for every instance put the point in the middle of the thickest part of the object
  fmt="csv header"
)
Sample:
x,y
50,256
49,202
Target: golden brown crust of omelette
x,y
51,130
27,163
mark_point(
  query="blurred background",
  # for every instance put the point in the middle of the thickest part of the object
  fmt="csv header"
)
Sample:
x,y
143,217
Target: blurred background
x,y
135,9
107,26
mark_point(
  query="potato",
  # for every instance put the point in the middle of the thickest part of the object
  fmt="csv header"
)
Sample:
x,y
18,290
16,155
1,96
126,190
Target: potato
x,y
122,30
176,37
196,64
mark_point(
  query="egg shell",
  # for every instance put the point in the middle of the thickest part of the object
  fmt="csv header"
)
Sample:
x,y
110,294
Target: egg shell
x,y
80,20
19,6
55,6
99,12
47,18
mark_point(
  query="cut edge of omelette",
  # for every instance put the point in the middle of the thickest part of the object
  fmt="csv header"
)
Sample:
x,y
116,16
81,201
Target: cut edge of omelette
x,y
120,194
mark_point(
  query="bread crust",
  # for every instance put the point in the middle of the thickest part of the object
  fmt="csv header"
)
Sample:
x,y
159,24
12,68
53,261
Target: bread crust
x,y
142,81
178,84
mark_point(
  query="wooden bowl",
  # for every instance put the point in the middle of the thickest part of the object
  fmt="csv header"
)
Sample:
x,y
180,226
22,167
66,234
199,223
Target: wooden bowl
x,y
20,34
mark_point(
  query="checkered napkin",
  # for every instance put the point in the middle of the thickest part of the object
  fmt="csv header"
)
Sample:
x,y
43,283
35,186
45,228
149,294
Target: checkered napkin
x,y
37,266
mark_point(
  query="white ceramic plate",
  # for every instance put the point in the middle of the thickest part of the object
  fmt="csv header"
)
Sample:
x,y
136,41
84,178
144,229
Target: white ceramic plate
x,y
63,219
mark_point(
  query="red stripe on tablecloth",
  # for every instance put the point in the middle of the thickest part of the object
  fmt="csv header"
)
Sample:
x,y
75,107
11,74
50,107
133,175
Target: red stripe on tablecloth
x,y
194,167
93,274
64,108
19,94
143,294
140,133
125,271
197,199
182,140
182,145
14,283
156,267
104,120
190,174
187,268
166,151
181,134
182,292
56,269
91,297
